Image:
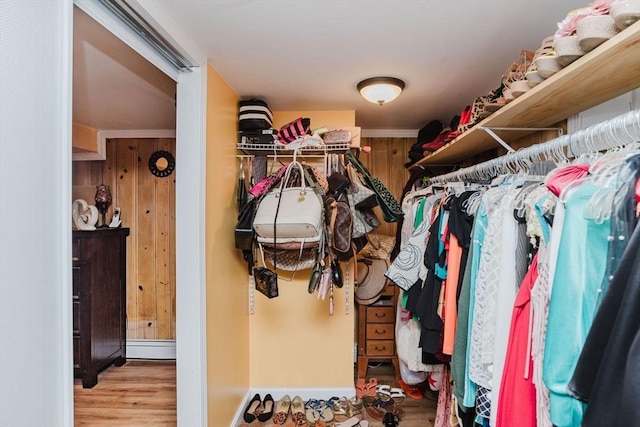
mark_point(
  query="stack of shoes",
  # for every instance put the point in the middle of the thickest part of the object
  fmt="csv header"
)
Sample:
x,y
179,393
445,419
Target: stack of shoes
x,y
514,80
495,101
386,400
427,134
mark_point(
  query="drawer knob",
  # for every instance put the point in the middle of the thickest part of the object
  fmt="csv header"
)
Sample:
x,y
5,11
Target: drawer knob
x,y
381,315
381,349
382,332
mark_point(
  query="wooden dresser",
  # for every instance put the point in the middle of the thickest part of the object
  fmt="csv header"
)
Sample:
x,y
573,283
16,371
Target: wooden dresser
x,y
376,331
99,301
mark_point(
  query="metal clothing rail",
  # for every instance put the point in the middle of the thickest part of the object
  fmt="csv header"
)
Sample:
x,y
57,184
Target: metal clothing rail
x,y
613,133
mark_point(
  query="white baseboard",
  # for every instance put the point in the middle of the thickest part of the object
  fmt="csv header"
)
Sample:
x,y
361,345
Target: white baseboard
x,y
151,349
278,393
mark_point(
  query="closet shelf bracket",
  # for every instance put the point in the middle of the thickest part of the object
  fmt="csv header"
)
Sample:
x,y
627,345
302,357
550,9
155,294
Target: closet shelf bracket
x,y
490,131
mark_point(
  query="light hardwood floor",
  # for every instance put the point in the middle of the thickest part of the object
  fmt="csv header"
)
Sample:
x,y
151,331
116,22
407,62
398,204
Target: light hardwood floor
x,y
140,393
418,412
143,393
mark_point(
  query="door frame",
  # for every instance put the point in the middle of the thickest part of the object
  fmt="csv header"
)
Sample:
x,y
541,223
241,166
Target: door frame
x,y
191,358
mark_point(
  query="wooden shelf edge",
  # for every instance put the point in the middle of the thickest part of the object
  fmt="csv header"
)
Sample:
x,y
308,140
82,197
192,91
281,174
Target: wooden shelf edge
x,y
610,70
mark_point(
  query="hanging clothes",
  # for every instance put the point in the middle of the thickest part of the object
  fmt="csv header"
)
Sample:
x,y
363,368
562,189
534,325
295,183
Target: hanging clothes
x,y
517,407
579,272
604,362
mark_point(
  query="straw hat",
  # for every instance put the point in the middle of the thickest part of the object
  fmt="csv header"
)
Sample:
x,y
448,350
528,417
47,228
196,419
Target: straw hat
x,y
370,280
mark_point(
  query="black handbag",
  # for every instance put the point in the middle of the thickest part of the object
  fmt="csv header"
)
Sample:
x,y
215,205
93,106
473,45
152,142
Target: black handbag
x,y
391,208
266,282
244,233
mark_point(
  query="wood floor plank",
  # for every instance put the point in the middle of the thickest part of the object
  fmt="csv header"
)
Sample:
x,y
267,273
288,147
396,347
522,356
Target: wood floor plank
x,y
143,393
140,393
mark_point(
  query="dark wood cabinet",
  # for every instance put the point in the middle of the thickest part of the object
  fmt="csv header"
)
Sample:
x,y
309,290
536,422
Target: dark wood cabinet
x,y
99,301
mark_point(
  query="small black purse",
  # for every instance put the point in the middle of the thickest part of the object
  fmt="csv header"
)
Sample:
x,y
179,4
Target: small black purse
x,y
266,281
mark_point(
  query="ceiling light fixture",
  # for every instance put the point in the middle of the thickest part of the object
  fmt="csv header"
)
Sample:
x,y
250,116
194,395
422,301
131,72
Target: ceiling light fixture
x,y
380,90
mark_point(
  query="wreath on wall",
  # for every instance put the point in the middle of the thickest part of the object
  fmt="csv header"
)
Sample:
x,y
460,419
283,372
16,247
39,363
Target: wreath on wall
x,y
162,164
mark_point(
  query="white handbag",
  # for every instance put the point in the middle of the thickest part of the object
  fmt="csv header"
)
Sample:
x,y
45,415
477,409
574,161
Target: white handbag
x,y
298,216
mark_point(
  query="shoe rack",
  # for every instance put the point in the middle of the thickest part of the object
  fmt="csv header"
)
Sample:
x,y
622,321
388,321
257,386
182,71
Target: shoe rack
x,y
606,72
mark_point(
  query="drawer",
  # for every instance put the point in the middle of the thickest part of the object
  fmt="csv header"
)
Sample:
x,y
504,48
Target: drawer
x,y
76,352
380,348
76,316
389,290
380,331
380,315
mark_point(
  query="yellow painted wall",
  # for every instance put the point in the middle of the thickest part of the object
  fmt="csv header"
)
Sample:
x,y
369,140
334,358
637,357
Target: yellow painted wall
x,y
227,281
331,119
294,341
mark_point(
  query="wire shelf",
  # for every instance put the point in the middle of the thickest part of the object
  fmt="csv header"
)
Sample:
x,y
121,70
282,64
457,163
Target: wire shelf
x,y
285,150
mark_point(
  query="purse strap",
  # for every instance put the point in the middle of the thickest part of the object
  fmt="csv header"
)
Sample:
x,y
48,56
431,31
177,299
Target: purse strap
x,y
357,164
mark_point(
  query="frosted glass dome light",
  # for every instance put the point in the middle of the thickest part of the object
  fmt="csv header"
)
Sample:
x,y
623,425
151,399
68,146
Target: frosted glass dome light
x,y
380,90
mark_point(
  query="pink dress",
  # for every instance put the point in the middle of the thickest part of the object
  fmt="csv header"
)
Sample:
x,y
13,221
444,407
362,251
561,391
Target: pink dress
x,y
517,404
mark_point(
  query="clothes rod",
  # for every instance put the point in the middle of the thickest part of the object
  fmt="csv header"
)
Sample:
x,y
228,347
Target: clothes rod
x,y
613,133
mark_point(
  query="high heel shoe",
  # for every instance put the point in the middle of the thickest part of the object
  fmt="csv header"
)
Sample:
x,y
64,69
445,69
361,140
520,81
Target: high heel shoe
x,y
281,412
268,406
254,408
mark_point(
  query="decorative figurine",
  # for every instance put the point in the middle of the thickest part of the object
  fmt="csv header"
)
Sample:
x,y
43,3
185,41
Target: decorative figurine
x,y
85,216
103,201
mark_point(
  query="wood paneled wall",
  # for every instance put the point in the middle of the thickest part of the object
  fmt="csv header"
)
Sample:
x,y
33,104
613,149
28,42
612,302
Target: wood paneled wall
x,y
386,162
147,205
389,155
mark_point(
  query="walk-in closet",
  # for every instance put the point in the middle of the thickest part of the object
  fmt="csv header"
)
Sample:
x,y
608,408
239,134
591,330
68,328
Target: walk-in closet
x,y
320,213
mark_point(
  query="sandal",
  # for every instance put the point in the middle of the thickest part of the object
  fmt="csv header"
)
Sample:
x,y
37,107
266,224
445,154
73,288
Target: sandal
x,y
355,406
546,59
411,391
297,411
351,422
325,412
341,410
514,77
370,387
383,392
360,387
398,396
282,410
311,410
376,411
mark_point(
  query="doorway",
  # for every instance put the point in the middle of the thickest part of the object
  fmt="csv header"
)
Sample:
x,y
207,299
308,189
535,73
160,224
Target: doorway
x,y
189,247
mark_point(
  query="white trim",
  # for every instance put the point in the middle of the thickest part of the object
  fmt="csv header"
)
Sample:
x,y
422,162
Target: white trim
x,y
151,349
103,135
237,419
389,133
191,299
63,186
278,393
108,20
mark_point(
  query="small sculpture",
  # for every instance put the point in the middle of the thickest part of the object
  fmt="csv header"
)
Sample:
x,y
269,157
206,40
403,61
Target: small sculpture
x,y
85,216
103,201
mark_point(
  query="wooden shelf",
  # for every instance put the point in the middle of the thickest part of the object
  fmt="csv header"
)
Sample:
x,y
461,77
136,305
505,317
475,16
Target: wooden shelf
x,y
606,72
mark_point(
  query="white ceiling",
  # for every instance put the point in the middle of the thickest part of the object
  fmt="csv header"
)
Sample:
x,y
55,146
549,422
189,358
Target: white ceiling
x,y
114,88
310,54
